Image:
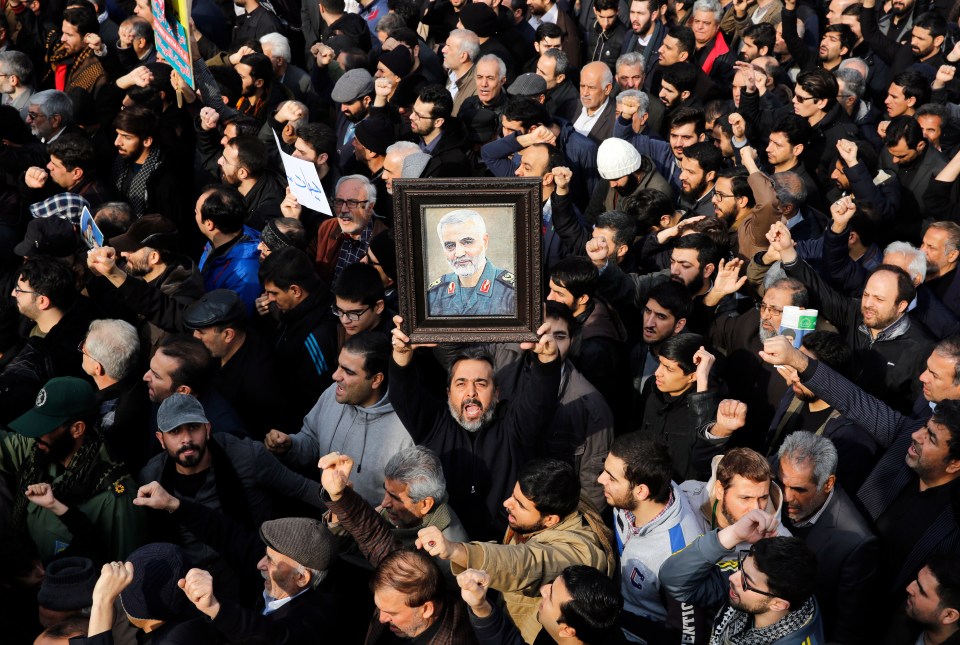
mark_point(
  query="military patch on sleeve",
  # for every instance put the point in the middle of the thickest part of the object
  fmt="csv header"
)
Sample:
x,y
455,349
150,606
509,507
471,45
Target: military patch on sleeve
x,y
435,283
508,279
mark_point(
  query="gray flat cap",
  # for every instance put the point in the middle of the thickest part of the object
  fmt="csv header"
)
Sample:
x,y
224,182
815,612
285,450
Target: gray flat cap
x,y
353,85
300,538
528,84
414,165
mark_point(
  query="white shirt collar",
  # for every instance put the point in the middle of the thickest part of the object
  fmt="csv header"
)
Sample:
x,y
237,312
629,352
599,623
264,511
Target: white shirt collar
x,y
271,604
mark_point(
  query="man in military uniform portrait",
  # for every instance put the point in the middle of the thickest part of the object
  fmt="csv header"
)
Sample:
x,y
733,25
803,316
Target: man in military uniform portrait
x,y
474,287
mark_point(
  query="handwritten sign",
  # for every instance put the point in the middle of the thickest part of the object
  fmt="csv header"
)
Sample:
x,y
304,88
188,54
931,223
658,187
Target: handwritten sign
x,y
304,182
171,29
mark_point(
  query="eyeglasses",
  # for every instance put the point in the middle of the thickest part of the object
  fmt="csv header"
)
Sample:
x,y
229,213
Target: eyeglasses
x,y
764,308
414,113
34,116
352,316
352,203
719,197
745,582
18,291
80,348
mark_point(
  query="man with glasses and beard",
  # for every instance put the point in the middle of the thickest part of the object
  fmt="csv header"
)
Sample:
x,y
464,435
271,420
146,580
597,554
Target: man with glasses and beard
x,y
481,443
475,286
236,477
55,443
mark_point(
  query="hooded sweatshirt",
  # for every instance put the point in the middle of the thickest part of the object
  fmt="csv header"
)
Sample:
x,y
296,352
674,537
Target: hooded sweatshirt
x,y
371,436
643,550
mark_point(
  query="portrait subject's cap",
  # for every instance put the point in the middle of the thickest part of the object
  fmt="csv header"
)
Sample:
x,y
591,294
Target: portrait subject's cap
x,y
48,236
217,307
353,85
616,158
155,231
529,84
178,409
62,399
303,539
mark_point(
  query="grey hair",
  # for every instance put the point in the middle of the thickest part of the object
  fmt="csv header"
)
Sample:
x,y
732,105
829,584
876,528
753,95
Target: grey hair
x,y
316,576
279,43
407,147
952,229
631,59
790,188
857,64
642,97
17,64
51,102
114,344
607,78
419,468
367,186
918,264
302,121
775,274
461,216
467,43
803,448
949,348
141,29
799,296
493,58
708,5
563,63
853,81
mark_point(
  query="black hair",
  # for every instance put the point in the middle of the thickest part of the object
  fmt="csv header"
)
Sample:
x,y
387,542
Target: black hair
x,y
48,277
687,41
287,267
552,485
138,120
706,154
645,462
596,604
847,38
528,111
261,69
557,311
682,76
577,274
74,150
359,282
681,348
148,97
84,18
620,223
224,206
820,84
914,85
763,35
229,82
472,353
686,115
243,124
251,154
906,292
547,30
375,349
867,228
795,128
194,362
932,22
439,97
320,137
828,348
945,567
606,5
707,252
674,297
739,185
790,567
947,414
646,207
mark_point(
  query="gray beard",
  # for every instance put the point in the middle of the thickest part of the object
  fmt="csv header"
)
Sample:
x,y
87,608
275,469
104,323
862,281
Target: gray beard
x,y
473,426
766,335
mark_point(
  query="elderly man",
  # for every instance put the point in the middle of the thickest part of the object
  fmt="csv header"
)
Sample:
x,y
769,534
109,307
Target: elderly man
x,y
460,54
599,113
16,70
343,239
475,286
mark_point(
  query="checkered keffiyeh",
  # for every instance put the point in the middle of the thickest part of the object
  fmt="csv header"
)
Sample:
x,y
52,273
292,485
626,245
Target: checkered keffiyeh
x,y
68,206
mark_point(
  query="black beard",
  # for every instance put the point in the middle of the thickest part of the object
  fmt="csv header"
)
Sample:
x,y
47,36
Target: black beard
x,y
631,186
695,285
193,461
694,193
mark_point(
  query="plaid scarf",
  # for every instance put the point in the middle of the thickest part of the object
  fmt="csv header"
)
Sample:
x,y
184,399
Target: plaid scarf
x,y
732,627
137,192
352,250
81,72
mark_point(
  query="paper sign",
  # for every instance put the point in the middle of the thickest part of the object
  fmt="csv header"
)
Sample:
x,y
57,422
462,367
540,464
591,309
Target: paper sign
x,y
92,236
171,29
304,182
796,322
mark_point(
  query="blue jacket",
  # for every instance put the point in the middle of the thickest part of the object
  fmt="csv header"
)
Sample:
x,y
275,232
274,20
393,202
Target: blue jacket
x,y
237,269
659,151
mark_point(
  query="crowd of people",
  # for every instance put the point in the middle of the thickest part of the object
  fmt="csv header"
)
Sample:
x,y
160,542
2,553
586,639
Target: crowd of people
x,y
215,428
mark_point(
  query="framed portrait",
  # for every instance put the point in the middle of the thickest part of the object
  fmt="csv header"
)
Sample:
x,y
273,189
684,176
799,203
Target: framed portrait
x,y
468,259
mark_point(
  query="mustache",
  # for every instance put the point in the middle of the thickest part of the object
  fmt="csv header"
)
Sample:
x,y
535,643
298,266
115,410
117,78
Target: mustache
x,y
189,446
466,402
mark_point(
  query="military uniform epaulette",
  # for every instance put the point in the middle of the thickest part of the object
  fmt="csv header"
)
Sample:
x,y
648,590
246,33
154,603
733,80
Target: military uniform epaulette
x,y
436,283
507,278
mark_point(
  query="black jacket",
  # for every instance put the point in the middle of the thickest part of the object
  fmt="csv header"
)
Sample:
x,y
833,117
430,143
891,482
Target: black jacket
x,y
679,422
449,158
605,46
480,467
564,101
263,200
249,382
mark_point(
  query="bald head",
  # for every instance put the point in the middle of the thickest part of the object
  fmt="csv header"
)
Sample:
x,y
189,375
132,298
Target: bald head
x,y
596,82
